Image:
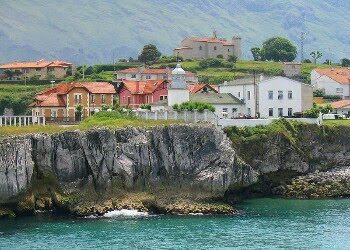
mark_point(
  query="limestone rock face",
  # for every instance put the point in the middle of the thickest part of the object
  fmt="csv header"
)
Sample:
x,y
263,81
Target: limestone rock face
x,y
177,157
16,166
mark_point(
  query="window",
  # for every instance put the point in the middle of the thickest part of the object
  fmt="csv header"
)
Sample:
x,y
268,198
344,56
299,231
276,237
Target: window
x,y
239,94
270,111
224,110
92,98
280,95
147,99
249,112
26,70
123,100
148,77
103,98
248,94
270,95
129,100
290,95
38,69
53,114
290,112
133,76
234,110
77,98
200,47
228,50
214,47
163,97
339,90
280,112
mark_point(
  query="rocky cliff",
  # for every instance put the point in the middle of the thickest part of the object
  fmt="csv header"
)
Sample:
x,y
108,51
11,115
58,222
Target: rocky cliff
x,y
170,169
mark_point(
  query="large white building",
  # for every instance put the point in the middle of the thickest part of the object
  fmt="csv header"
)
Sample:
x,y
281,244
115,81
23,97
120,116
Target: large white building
x,y
208,47
283,97
335,81
246,91
273,97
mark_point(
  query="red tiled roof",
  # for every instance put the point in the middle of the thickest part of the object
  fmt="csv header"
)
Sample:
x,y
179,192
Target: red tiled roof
x,y
38,64
54,97
194,88
339,104
210,40
142,87
340,75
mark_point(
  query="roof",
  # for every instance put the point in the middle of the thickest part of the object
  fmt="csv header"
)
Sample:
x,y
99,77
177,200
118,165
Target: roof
x,y
243,81
339,104
340,75
54,97
149,71
142,87
194,88
210,40
38,64
214,98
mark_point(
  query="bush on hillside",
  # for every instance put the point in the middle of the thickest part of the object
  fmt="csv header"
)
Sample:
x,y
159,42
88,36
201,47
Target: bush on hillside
x,y
315,111
191,106
170,59
232,58
214,63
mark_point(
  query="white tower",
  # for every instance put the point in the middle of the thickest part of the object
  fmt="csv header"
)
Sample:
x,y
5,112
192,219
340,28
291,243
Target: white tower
x,y
178,91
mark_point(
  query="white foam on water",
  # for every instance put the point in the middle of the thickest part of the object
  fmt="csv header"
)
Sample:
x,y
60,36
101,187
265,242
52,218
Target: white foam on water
x,y
125,213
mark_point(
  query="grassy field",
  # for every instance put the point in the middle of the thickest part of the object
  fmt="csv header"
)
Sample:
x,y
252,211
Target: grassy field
x,y
337,122
18,97
102,119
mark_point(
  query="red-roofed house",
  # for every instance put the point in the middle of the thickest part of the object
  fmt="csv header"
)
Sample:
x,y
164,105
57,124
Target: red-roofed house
x,y
60,102
341,107
208,47
134,93
41,68
202,88
144,74
333,81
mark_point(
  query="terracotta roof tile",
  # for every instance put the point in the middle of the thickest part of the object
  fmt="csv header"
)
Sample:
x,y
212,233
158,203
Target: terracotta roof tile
x,y
38,64
143,87
195,88
339,104
340,75
210,40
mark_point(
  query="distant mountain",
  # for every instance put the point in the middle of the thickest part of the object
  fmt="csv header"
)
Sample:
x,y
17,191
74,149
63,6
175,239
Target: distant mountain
x,y
90,31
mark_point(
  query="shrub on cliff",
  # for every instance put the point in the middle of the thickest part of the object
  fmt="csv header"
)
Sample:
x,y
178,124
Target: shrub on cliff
x,y
191,106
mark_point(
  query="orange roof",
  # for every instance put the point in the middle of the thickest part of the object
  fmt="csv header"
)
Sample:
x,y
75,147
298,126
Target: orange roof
x,y
143,87
149,71
38,64
53,97
340,75
210,40
194,88
339,104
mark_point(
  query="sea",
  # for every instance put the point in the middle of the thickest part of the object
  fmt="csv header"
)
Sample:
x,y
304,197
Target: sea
x,y
260,224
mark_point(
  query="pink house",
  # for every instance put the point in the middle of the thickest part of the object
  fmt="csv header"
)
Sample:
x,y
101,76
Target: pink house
x,y
134,93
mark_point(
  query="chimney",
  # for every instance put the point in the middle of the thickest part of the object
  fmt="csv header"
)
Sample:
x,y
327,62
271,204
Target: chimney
x,y
137,86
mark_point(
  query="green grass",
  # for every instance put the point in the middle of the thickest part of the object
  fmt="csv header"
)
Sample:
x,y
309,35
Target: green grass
x,y
102,119
337,122
18,97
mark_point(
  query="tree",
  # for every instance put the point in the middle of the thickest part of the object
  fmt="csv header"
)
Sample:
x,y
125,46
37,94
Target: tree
x,y
345,62
307,61
8,73
316,55
256,53
149,53
78,112
278,49
232,58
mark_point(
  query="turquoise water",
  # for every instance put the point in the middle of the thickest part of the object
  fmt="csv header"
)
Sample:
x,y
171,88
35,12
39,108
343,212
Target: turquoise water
x,y
263,224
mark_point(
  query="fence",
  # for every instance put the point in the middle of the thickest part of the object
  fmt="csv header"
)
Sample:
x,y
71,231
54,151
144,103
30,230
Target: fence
x,y
187,116
22,120
210,117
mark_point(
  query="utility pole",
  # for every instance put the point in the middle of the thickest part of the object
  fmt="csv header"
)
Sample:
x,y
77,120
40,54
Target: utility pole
x,y
302,46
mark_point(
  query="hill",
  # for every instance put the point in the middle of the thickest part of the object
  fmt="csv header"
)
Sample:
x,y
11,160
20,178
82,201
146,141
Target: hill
x,y
89,31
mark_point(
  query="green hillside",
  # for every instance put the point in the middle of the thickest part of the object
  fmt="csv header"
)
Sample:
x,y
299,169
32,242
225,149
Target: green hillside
x,y
89,31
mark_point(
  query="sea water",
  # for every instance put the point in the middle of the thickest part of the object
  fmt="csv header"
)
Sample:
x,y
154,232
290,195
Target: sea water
x,y
261,224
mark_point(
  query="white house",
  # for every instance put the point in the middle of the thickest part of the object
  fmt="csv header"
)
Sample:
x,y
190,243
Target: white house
x,y
245,90
333,81
281,96
341,107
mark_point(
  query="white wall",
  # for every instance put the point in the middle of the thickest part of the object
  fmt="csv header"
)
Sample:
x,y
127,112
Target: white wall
x,y
178,96
219,109
241,92
280,84
330,86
